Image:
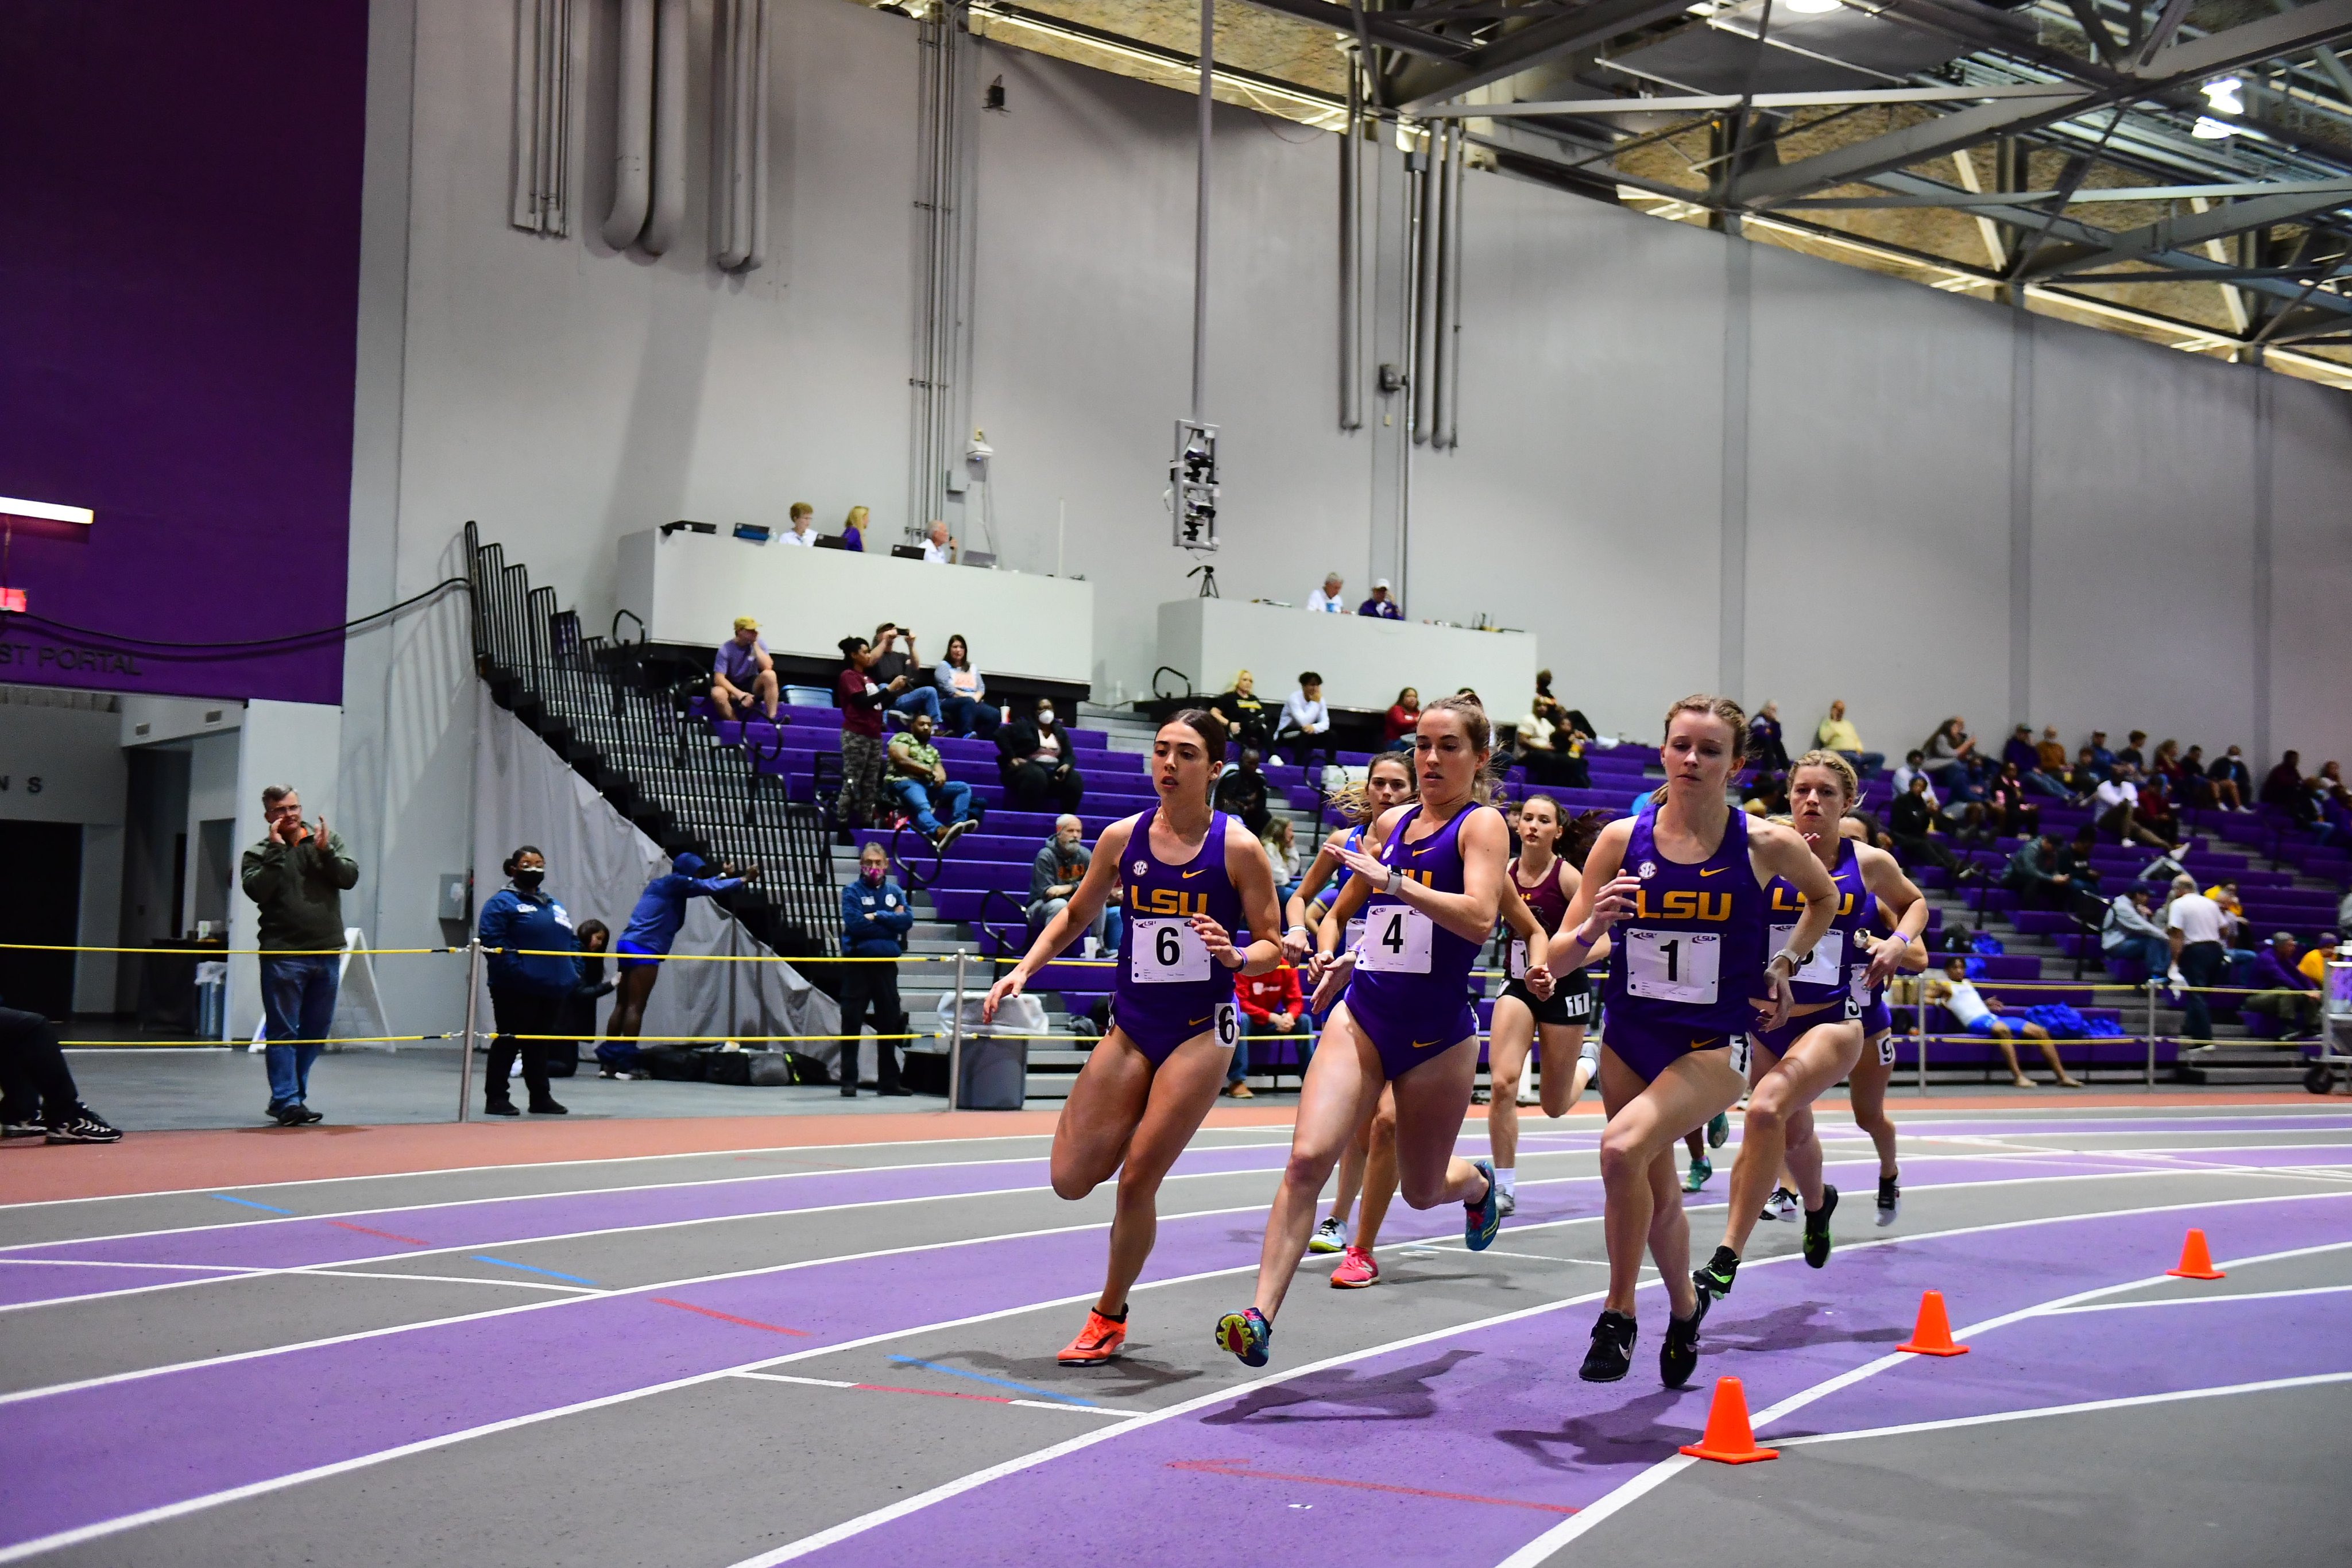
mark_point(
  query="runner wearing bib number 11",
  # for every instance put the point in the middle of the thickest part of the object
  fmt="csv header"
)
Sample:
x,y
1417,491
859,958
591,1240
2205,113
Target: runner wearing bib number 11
x,y
1790,1064
1404,1022
1684,881
1192,877
1866,1084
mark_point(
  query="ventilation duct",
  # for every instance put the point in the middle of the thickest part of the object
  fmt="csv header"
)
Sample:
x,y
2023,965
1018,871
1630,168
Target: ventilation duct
x,y
739,135
632,126
668,128
542,116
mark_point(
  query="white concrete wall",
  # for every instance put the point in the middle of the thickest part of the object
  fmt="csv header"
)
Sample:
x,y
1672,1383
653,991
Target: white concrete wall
x,y
565,396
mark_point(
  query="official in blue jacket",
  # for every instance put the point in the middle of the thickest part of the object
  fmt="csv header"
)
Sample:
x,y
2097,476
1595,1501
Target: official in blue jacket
x,y
530,951
875,920
653,926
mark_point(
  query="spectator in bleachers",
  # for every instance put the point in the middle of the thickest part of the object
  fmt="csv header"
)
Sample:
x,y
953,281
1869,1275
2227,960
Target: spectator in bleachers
x,y
1325,599
2035,875
2050,752
875,920
2234,783
1765,746
2314,966
941,806
2102,758
532,955
2134,946
2131,752
2194,926
2078,856
1061,864
2083,779
900,669
2332,790
2047,775
2285,789
2117,804
2020,749
1243,793
1281,840
1403,719
741,672
1911,823
1836,733
1380,606
2189,784
861,699
1246,715
852,529
964,708
803,533
1947,752
1271,1004
1551,741
1971,1010
1766,795
1035,754
1914,767
1305,728
2283,991
2006,809
939,545
2156,813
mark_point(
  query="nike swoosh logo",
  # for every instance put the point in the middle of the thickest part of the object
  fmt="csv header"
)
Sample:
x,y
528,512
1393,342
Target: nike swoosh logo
x,y
1425,1044
1188,875
1716,872
1702,1045
1194,1023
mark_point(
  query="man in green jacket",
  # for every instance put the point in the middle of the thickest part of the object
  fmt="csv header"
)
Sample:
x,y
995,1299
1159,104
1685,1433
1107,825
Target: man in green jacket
x,y
298,876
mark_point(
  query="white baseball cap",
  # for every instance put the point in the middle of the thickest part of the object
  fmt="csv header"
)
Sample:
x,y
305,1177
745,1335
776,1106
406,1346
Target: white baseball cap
x,y
1380,582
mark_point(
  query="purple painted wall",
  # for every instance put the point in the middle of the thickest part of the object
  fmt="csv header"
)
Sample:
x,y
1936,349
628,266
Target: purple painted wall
x,y
179,264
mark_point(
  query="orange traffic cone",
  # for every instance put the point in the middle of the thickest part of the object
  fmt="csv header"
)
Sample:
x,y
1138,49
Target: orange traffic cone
x,y
1729,1439
1932,1335
2196,1263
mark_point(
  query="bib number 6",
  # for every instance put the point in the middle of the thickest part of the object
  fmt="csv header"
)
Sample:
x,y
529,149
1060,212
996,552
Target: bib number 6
x,y
1228,1024
1166,951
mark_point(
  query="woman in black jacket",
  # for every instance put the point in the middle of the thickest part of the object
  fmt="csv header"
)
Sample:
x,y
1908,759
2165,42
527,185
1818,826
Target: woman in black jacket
x,y
1035,758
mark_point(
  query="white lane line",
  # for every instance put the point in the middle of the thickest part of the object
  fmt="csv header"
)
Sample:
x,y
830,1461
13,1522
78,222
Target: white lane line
x,y
2312,1381
1025,1404
112,1263
104,1528
1541,1549
2199,1300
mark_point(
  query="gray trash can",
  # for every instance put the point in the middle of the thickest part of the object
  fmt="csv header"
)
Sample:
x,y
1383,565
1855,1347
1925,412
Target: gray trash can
x,y
995,1072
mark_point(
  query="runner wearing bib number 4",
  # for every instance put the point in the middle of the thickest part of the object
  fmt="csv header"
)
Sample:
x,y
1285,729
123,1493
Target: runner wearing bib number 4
x,y
1791,1064
1192,877
1866,1084
1685,881
1404,1022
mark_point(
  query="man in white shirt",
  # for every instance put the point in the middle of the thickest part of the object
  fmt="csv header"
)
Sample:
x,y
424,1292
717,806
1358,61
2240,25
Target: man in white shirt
x,y
1306,722
2193,926
1911,769
803,532
940,549
2116,801
1325,599
1973,1013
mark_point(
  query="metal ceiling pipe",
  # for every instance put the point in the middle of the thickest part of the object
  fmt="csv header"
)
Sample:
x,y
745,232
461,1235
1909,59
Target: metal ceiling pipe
x,y
1427,266
668,128
632,126
1449,341
738,101
1352,284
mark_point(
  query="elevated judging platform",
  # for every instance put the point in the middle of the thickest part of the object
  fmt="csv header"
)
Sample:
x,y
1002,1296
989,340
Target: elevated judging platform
x,y
1363,662
689,588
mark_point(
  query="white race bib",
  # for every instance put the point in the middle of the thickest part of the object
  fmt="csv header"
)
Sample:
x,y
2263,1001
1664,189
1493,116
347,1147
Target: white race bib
x,y
1886,1049
1396,941
1827,965
1355,933
1516,960
1673,966
1167,953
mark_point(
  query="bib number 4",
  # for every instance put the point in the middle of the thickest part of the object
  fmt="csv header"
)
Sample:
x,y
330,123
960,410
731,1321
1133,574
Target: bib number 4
x,y
1396,941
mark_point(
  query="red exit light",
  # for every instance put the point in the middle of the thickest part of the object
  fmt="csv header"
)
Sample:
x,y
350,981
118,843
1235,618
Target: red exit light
x,y
11,600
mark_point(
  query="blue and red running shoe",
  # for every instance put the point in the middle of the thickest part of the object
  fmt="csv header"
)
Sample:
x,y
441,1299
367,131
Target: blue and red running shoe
x,y
1483,1220
1246,1333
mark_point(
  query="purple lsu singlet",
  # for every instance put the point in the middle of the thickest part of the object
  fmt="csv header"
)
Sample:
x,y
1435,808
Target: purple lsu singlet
x,y
1410,992
1167,988
1685,963
1828,974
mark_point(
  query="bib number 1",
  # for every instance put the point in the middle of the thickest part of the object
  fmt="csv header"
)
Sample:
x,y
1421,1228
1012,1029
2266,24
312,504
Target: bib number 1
x,y
1673,966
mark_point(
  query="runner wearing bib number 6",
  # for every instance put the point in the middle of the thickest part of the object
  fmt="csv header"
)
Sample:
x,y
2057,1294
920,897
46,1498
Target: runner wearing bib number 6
x,y
1192,877
1684,884
1404,1021
1790,1065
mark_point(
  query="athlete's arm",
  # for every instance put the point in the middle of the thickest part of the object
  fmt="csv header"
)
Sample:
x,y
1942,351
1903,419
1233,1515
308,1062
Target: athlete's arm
x,y
1484,843
1085,902
1325,867
1334,927
1523,926
1884,876
1603,896
1775,851
1252,875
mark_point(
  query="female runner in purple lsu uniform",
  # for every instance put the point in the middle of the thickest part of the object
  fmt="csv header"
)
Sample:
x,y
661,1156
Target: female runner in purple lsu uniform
x,y
1789,1067
1866,1084
1682,885
1405,1022
1193,877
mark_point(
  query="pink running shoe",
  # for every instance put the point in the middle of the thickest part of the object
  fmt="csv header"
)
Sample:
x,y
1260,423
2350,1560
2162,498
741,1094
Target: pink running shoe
x,y
1356,1270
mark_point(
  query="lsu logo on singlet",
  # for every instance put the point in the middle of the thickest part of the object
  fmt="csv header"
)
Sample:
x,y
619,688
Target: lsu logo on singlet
x,y
1683,903
1783,903
1426,879
1167,901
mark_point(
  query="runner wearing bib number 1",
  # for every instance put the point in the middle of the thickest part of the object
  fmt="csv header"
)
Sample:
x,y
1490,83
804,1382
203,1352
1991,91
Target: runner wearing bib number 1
x,y
1192,878
1791,1064
1685,880
1404,1022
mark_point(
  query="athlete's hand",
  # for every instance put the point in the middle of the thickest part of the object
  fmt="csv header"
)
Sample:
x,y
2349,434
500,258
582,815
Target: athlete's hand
x,y
1000,993
1337,967
1885,960
1617,901
1218,941
1776,1013
1366,865
1296,944
1539,982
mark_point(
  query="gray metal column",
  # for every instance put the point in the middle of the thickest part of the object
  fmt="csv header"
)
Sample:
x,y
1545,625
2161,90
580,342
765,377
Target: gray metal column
x,y
1731,649
1351,234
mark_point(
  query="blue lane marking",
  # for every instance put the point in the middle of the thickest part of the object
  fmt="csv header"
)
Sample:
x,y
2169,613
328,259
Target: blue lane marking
x,y
251,1204
1001,1382
486,1257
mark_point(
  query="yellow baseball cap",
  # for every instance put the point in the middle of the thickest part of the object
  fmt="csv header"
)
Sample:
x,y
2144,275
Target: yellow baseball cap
x,y
745,624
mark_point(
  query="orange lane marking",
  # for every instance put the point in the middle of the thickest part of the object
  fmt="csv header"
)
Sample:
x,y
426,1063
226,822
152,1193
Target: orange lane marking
x,y
730,1317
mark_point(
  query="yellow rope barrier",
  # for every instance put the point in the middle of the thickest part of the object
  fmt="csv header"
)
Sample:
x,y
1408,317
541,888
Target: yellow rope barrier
x,y
240,1045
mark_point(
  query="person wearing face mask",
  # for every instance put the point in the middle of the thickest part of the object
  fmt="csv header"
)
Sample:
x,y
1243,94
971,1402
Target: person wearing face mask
x,y
534,968
874,924
1034,756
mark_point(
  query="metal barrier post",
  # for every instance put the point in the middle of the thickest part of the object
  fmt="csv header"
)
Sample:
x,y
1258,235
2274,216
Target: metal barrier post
x,y
2151,1031
473,1008
955,1039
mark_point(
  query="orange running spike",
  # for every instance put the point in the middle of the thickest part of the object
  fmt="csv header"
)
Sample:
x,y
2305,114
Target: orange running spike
x,y
2196,1263
1729,1439
1932,1335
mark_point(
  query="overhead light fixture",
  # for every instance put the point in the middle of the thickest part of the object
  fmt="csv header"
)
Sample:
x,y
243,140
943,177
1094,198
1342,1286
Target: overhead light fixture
x,y
2223,94
1811,7
46,511
2209,129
